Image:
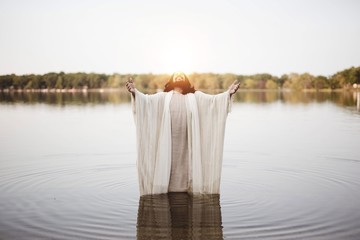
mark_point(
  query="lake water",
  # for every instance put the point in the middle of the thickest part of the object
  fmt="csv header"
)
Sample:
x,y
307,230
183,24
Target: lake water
x,y
291,170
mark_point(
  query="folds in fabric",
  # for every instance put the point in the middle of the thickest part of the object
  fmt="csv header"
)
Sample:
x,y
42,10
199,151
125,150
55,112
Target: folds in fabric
x,y
206,118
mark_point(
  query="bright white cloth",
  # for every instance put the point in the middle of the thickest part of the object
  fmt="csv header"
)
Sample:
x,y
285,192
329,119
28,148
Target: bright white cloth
x,y
206,117
179,175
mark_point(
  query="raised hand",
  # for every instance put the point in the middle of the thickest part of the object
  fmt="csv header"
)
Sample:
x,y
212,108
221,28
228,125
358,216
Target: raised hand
x,y
130,86
234,87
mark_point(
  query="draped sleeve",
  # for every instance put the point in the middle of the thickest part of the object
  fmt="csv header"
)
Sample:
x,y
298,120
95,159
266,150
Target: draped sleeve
x,y
153,134
213,111
206,118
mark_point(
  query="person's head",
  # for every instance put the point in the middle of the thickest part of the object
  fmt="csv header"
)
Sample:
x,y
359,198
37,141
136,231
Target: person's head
x,y
179,80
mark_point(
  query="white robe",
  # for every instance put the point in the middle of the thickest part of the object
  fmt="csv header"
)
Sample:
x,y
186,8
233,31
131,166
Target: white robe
x,y
206,118
179,175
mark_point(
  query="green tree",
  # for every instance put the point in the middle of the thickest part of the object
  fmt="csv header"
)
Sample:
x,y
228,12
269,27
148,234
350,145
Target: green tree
x,y
282,80
250,83
59,83
6,81
50,80
321,82
271,84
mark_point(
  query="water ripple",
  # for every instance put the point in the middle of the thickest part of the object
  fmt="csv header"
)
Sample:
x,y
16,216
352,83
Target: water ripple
x,y
259,200
282,201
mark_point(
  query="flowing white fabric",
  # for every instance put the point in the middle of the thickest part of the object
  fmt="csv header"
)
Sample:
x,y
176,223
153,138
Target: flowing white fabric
x,y
206,118
179,176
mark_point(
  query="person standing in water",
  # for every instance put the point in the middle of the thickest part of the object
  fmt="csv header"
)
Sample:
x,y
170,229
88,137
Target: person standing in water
x,y
180,137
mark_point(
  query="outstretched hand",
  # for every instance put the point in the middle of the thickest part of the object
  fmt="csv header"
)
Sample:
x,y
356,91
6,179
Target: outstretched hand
x,y
130,86
234,87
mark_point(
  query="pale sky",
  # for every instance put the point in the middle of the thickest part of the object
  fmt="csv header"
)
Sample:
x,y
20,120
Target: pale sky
x,y
159,36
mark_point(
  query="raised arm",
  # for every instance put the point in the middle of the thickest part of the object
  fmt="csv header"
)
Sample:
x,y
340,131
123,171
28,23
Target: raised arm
x,y
234,87
130,86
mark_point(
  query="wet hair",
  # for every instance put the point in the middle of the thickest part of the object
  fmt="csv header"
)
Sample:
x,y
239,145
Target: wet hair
x,y
185,86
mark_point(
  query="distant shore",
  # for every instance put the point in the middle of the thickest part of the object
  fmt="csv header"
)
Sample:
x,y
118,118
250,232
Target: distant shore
x,y
347,79
120,90
72,90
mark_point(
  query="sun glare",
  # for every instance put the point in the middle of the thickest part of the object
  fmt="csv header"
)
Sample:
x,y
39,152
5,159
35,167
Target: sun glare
x,y
177,58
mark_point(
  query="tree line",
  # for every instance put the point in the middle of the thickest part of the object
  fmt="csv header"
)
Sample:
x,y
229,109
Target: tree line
x,y
345,79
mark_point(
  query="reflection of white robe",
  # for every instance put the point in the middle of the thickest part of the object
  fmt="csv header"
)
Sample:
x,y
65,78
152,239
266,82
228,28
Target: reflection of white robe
x,y
206,118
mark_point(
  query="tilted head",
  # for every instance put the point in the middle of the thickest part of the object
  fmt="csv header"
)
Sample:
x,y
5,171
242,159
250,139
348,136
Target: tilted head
x,y
178,77
179,80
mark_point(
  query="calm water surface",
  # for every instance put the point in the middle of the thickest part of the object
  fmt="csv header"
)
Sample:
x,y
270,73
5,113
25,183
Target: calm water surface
x,y
291,170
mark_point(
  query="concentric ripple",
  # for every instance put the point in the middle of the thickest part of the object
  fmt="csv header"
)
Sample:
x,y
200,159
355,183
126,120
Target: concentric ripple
x,y
294,176
89,200
282,200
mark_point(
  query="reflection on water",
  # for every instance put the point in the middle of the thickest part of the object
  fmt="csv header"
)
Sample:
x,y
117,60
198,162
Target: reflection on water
x,y
344,98
179,216
65,98
290,171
